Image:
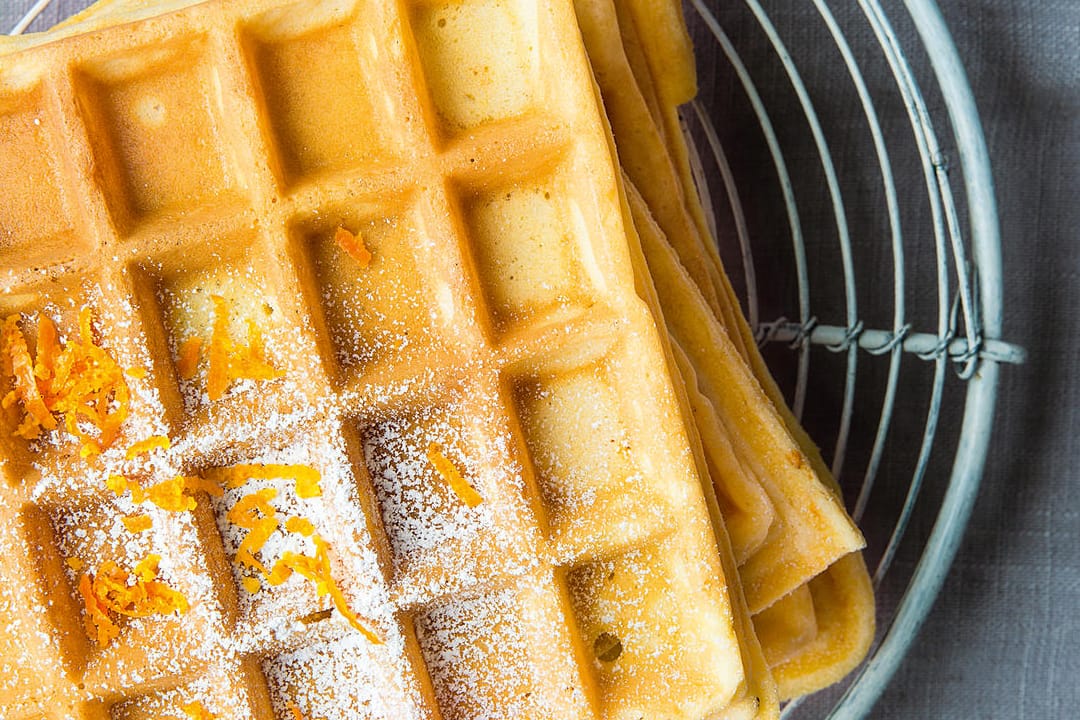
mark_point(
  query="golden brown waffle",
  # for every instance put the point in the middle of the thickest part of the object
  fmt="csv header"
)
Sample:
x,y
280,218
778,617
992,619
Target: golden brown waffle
x,y
822,629
184,177
811,529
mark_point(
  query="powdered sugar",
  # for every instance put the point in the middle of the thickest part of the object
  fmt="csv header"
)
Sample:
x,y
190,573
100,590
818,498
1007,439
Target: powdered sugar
x,y
370,681
440,544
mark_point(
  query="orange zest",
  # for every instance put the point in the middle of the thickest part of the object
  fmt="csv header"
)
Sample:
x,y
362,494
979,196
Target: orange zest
x,y
254,542
295,710
317,569
251,584
113,590
248,509
171,495
78,380
300,526
48,349
174,495
254,513
120,484
453,477
196,711
306,478
147,569
201,484
18,365
230,361
151,443
188,358
137,523
89,387
74,563
99,625
353,245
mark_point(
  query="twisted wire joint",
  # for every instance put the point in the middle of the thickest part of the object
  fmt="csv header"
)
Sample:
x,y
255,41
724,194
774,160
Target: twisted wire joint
x,y
802,335
851,336
893,342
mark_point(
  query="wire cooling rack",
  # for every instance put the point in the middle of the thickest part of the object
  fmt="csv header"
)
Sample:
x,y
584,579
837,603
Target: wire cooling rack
x,y
848,178
841,158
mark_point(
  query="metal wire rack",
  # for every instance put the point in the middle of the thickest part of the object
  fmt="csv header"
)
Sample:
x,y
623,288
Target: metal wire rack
x,y
807,79
827,180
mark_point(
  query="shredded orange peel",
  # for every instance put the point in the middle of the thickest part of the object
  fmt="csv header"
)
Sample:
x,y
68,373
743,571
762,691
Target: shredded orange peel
x,y
229,360
300,526
196,711
195,483
174,495
154,442
307,478
187,361
317,569
254,513
353,244
295,710
136,594
20,366
171,495
137,523
120,484
78,381
453,477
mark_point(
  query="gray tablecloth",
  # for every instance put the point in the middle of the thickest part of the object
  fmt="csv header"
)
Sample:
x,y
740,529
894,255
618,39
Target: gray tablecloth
x,y
1003,640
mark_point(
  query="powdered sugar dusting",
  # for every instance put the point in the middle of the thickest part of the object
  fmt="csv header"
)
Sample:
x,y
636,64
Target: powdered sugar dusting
x,y
370,681
274,613
485,609
588,463
500,655
30,655
674,640
439,543
227,694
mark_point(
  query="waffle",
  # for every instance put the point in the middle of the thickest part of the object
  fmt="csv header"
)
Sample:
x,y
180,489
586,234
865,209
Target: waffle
x,y
811,529
285,235
822,628
816,633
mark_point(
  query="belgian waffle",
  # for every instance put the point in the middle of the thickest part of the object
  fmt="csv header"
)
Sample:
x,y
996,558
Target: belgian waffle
x,y
318,200
820,629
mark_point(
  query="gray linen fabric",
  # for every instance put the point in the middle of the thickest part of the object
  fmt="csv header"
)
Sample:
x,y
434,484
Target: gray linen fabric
x,y
1003,640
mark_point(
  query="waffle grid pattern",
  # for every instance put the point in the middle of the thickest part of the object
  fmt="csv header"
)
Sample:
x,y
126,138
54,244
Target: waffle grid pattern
x,y
174,187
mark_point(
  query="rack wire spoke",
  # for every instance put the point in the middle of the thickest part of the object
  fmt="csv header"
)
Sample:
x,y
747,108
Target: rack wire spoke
x,y
31,15
784,175
731,188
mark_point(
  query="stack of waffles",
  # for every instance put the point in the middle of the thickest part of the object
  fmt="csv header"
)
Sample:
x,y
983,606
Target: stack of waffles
x,y
368,359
